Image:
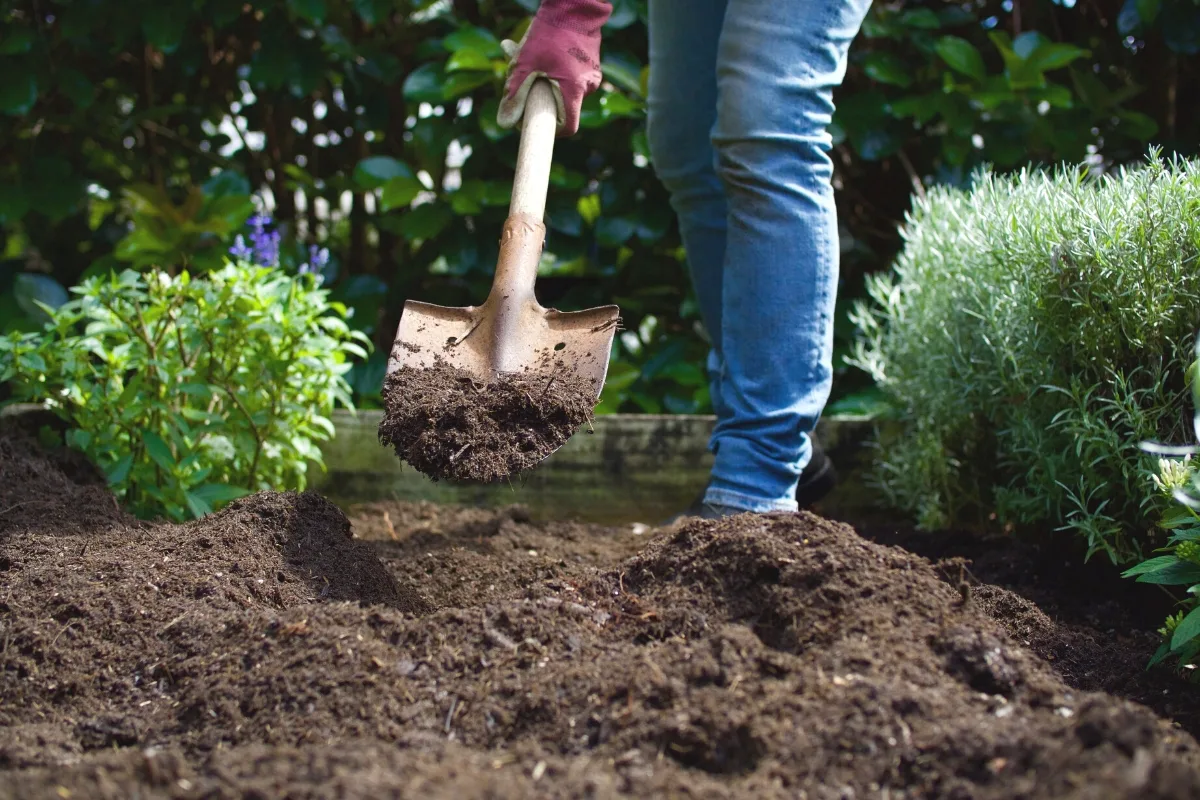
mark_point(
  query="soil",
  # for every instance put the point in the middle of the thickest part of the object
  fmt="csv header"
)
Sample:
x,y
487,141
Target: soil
x,y
278,649
448,425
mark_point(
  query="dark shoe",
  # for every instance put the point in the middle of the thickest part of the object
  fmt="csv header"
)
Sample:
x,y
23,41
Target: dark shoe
x,y
817,480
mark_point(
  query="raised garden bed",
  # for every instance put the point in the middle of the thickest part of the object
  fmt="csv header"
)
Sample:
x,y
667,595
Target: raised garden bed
x,y
624,468
280,649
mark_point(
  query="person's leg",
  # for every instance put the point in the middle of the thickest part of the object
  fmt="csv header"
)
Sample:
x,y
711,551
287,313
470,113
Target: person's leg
x,y
682,105
778,63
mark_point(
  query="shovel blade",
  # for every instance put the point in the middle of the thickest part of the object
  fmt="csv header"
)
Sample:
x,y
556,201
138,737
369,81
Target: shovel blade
x,y
543,340
428,332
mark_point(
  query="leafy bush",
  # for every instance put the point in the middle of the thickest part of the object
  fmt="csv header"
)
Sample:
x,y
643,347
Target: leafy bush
x,y
1178,480
190,392
1034,329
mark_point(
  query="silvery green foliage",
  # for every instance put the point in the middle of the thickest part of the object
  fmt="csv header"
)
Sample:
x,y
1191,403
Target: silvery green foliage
x,y
1034,330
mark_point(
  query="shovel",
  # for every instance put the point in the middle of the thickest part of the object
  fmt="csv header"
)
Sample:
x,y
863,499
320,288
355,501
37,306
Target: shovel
x,y
511,332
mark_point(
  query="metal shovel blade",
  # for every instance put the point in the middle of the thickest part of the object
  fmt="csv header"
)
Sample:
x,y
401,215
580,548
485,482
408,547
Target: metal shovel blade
x,y
549,341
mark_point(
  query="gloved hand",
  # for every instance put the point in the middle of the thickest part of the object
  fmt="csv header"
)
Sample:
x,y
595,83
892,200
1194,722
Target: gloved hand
x,y
562,44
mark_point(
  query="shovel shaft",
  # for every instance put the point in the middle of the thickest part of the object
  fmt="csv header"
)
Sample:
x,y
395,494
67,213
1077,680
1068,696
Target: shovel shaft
x,y
512,305
535,153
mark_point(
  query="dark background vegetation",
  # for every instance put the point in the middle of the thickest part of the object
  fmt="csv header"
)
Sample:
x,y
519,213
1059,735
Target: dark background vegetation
x,y
134,134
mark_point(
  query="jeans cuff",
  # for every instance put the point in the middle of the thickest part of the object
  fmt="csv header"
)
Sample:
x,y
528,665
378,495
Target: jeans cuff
x,y
723,497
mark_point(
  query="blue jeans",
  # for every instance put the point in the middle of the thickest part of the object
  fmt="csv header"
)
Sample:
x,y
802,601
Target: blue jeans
x,y
740,100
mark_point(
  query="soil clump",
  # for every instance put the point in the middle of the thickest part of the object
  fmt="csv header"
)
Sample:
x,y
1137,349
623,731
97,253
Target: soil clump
x,y
278,649
447,424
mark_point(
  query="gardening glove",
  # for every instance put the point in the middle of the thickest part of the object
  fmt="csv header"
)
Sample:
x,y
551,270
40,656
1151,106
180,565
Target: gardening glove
x,y
562,45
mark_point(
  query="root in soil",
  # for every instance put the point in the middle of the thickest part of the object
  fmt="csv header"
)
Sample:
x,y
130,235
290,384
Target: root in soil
x,y
272,649
446,424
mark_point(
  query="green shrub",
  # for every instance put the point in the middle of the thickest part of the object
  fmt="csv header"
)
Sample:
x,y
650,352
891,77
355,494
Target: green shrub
x,y
189,392
1034,329
1178,480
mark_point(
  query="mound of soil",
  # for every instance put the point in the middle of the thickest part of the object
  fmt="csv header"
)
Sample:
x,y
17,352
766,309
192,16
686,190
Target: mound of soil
x,y
271,650
446,424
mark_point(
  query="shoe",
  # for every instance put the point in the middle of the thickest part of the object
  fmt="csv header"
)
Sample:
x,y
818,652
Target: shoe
x,y
817,480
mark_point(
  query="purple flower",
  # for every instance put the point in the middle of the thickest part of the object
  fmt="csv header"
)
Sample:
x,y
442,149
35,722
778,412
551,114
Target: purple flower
x,y
259,222
239,250
266,248
318,259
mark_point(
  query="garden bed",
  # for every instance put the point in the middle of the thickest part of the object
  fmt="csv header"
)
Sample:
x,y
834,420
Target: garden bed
x,y
278,648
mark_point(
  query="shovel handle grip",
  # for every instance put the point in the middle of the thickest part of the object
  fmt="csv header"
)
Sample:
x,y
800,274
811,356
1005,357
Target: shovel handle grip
x,y
536,152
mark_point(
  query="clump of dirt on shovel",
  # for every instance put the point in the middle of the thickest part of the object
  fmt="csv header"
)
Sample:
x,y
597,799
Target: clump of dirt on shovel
x,y
447,424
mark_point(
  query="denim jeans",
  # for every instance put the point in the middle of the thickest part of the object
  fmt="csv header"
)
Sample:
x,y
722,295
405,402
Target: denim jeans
x,y
740,99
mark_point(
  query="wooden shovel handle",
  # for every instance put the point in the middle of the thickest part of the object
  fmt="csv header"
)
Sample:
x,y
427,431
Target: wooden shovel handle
x,y
536,152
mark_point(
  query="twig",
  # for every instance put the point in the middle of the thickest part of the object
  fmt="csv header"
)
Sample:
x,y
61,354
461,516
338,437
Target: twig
x,y
454,457
918,186
70,624
450,714
16,506
457,342
553,378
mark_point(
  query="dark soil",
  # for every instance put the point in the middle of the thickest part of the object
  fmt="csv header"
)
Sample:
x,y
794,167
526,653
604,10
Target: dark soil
x,y
446,424
1095,628
274,649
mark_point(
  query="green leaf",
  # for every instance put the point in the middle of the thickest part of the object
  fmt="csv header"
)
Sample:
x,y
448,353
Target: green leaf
x,y
34,290
1188,629
312,10
1181,572
371,11
399,191
227,183
16,41
1049,56
921,18
621,375
479,40
216,494
376,171
961,56
425,221
462,83
888,68
120,470
18,88
158,450
1148,10
1150,565
623,73
468,60
76,87
163,26
196,505
424,84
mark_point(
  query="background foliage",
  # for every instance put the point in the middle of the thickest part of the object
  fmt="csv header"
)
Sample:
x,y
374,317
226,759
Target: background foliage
x,y
190,392
1033,332
138,138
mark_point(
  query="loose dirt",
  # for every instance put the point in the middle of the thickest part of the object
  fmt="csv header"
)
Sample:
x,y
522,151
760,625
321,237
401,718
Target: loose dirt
x,y
277,649
448,425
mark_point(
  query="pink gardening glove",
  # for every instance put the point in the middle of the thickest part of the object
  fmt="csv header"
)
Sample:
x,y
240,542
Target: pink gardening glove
x,y
562,45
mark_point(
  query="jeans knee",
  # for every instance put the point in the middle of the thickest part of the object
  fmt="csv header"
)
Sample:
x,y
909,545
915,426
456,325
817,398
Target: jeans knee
x,y
681,156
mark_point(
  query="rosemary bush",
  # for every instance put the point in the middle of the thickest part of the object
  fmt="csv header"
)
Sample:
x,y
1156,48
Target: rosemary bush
x,y
1033,330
